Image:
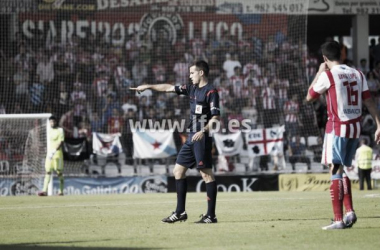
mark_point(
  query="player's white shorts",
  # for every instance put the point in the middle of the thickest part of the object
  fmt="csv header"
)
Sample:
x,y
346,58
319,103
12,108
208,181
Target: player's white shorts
x,y
338,150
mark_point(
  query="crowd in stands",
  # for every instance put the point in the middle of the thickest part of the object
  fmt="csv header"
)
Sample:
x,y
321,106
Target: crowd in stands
x,y
85,82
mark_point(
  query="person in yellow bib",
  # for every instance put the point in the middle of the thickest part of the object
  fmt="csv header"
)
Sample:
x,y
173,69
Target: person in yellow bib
x,y
363,159
54,157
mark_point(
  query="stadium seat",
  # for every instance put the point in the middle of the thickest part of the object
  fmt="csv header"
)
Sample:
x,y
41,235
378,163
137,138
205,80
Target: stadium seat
x,y
302,140
111,169
240,168
312,140
144,170
127,170
159,169
4,167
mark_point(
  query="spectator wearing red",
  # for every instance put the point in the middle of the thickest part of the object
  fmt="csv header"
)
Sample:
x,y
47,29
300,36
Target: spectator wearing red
x,y
115,122
291,112
268,95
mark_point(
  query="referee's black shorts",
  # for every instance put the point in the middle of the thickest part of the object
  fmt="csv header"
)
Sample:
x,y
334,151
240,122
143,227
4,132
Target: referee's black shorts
x,y
196,154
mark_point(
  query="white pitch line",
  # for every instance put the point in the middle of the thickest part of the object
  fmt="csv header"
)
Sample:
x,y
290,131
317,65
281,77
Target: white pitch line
x,y
163,202
372,196
144,203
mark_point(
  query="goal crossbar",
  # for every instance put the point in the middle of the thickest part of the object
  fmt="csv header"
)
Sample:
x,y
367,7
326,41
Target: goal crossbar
x,y
24,116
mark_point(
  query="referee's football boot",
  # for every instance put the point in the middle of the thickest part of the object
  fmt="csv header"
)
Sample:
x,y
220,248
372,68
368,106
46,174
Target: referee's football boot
x,y
206,219
349,219
335,225
174,217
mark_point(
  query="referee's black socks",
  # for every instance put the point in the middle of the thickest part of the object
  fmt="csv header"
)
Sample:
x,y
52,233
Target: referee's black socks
x,y
181,186
211,190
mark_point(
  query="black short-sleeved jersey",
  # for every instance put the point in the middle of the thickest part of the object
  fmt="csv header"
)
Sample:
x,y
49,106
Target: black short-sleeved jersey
x,y
204,104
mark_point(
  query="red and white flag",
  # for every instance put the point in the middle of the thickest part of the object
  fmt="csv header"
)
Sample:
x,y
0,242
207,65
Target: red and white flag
x,y
265,141
106,144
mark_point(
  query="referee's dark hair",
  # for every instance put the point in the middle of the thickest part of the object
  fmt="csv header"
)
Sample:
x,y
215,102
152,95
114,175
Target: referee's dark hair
x,y
331,50
202,65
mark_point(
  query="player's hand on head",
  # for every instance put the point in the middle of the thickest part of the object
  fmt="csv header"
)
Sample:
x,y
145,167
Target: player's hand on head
x,y
323,67
377,136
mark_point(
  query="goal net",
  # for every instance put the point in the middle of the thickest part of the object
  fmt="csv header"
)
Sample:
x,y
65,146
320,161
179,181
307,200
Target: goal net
x,y
78,61
23,144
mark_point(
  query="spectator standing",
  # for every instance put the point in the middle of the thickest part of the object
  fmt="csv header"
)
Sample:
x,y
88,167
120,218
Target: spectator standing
x,y
129,118
308,120
363,67
132,49
282,86
291,111
139,72
363,159
62,70
115,122
108,108
67,123
96,123
297,152
376,70
123,79
78,102
237,82
317,150
251,66
343,49
21,81
63,100
257,45
229,65
376,52
181,68
371,54
373,84
197,44
159,71
311,66
268,96
37,95
128,103
24,59
45,70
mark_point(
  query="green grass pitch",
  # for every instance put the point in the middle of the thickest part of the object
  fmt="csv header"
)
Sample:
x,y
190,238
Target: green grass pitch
x,y
257,220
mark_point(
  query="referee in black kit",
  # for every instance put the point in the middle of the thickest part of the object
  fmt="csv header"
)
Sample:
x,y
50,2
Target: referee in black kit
x,y
196,152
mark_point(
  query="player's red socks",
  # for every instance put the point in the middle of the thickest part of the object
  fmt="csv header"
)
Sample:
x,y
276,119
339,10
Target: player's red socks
x,y
336,192
347,197
211,190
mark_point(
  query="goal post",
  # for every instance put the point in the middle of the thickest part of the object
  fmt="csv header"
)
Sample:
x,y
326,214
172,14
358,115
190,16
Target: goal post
x,y
23,145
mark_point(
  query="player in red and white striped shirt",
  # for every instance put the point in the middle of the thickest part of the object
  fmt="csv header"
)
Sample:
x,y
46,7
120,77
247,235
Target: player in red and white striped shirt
x,y
291,110
237,82
197,44
268,96
346,91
